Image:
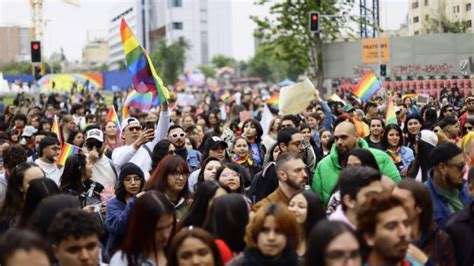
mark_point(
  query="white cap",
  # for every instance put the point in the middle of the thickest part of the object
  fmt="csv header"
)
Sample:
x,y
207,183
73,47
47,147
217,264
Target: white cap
x,y
95,134
28,131
429,136
130,121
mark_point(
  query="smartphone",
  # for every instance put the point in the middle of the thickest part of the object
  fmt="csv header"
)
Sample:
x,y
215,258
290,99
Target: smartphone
x,y
150,124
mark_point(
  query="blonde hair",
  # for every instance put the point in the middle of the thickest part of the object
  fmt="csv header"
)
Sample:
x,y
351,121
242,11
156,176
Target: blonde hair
x,y
466,141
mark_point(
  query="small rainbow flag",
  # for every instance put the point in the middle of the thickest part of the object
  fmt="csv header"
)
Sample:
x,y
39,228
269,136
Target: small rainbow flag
x,y
57,130
367,86
112,116
390,115
142,101
274,101
66,151
145,79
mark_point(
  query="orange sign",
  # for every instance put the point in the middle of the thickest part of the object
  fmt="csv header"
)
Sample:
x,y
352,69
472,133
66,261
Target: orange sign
x,y
370,51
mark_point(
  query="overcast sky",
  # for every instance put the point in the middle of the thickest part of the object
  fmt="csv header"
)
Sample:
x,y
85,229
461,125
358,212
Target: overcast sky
x,y
68,26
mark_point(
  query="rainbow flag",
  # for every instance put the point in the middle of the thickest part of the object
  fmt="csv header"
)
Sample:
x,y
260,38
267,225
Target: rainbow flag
x,y
274,101
410,95
367,86
66,151
112,116
390,114
57,130
145,79
142,101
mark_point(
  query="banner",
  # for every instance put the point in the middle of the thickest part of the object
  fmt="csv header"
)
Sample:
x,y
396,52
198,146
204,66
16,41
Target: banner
x,y
66,82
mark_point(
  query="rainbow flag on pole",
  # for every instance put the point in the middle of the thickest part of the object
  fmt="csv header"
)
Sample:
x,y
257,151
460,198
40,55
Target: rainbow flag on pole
x,y
367,86
390,115
142,101
57,130
112,116
66,151
144,76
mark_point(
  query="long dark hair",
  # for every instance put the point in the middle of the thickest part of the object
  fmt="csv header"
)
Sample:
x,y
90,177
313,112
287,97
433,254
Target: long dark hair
x,y
139,241
423,150
74,168
161,149
257,126
389,127
38,190
321,236
72,135
315,212
365,156
169,165
196,214
204,163
227,218
243,175
197,233
14,197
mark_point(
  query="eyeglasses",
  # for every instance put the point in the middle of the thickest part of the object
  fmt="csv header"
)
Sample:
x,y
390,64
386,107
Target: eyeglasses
x,y
91,145
297,143
176,175
176,135
286,126
342,255
459,166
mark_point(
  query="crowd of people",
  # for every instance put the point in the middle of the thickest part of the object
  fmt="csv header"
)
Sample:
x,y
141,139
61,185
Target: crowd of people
x,y
337,184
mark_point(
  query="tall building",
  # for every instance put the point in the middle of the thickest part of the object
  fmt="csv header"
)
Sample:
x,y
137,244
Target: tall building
x,y
211,27
14,44
425,16
95,53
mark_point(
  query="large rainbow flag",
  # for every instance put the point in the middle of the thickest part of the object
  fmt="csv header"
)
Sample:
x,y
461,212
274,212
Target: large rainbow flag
x,y
390,115
66,151
367,86
145,79
143,101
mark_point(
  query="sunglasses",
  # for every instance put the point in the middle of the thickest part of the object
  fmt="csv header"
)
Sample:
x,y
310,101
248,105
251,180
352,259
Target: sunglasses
x,y
91,145
459,166
468,128
176,135
449,110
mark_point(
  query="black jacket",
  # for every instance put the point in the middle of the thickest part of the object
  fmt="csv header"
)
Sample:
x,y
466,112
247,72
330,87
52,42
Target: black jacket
x,y
460,228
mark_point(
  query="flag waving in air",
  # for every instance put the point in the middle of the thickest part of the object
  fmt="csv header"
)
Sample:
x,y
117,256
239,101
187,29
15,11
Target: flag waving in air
x,y
367,86
390,115
142,101
144,76
57,130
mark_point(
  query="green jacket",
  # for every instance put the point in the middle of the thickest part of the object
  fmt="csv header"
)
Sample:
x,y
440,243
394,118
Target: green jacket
x,y
327,171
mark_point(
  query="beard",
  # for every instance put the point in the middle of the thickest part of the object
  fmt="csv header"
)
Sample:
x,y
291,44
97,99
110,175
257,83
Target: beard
x,y
295,185
391,253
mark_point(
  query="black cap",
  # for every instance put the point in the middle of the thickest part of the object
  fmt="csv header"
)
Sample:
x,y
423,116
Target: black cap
x,y
130,169
214,142
444,152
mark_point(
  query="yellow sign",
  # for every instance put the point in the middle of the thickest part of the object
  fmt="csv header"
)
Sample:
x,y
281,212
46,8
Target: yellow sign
x,y
370,51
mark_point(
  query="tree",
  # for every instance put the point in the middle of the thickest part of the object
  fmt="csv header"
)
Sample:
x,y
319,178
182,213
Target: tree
x,y
221,61
287,30
442,24
208,70
265,65
169,59
17,68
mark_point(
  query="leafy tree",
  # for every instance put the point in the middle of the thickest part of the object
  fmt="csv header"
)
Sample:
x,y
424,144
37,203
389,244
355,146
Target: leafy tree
x,y
169,59
287,30
222,61
16,68
266,66
208,70
442,24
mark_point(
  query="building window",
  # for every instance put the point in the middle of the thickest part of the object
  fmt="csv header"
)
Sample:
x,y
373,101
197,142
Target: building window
x,y
468,7
177,25
469,23
416,19
414,5
426,2
176,3
417,32
454,9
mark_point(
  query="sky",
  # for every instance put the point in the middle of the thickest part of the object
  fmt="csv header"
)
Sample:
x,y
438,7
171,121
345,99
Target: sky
x,y
68,26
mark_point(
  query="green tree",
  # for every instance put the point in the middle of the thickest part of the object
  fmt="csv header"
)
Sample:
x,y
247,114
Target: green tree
x,y
169,59
287,30
442,24
208,70
265,65
222,61
16,68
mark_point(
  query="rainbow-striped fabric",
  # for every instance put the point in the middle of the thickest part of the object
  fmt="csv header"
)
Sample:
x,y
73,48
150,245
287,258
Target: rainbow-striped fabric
x,y
367,86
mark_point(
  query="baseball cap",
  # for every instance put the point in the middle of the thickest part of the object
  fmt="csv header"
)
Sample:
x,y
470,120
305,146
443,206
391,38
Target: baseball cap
x,y
95,134
130,121
348,108
429,137
28,131
213,142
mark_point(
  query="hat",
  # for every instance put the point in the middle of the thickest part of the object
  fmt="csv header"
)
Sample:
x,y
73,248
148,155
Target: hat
x,y
130,169
348,108
130,121
469,99
47,141
429,137
444,152
28,131
414,116
95,134
213,142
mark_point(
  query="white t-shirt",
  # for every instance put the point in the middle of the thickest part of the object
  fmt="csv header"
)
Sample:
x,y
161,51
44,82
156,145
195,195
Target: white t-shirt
x,y
51,170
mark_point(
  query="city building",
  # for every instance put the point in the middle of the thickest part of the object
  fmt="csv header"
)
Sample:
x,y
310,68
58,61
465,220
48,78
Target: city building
x,y
15,43
426,16
95,53
211,27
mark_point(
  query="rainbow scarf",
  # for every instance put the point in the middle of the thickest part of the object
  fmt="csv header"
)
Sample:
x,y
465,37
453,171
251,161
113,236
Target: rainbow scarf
x,y
367,86
243,160
144,76
396,155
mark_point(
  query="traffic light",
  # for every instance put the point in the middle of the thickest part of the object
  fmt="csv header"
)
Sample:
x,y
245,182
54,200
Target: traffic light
x,y
314,21
36,51
383,70
37,72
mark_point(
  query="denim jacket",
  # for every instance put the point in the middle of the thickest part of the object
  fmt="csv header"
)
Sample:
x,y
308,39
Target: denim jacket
x,y
193,159
407,156
441,210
